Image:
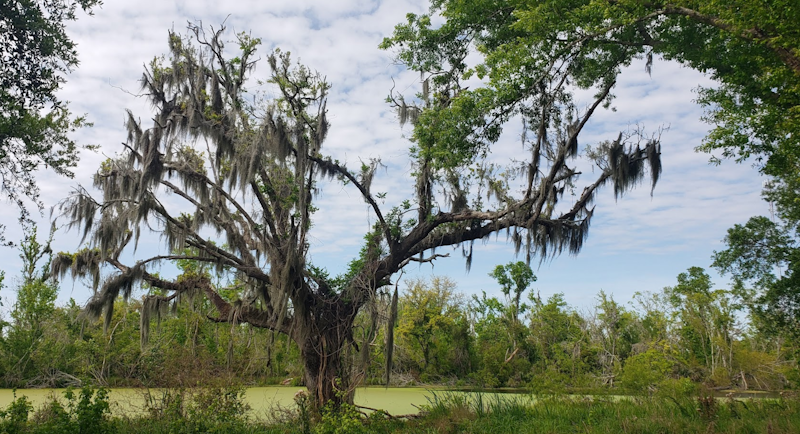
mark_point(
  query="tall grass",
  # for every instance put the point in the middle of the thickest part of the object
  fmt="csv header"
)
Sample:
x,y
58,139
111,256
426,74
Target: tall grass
x,y
559,414
223,411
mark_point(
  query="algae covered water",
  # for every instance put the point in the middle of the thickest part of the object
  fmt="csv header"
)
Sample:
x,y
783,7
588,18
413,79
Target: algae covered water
x,y
262,400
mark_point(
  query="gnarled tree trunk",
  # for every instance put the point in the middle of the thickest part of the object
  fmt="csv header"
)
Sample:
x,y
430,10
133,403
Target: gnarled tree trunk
x,y
323,334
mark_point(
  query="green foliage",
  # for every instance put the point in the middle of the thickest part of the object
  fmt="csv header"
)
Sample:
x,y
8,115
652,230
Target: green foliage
x,y
707,322
680,388
764,256
14,418
89,410
207,410
597,415
559,342
514,278
34,123
86,411
458,413
219,405
24,347
456,136
751,48
432,332
675,341
616,333
345,419
504,355
645,370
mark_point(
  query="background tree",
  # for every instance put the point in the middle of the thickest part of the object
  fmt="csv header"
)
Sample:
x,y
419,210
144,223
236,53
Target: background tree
x,y
34,124
615,332
433,330
762,257
503,351
560,341
244,200
707,323
34,306
514,278
503,338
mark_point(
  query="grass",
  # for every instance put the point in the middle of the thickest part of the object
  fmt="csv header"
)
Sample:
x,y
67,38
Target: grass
x,y
559,414
457,413
223,411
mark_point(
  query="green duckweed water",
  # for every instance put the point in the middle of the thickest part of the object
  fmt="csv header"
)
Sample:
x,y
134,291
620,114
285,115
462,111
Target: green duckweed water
x,y
262,400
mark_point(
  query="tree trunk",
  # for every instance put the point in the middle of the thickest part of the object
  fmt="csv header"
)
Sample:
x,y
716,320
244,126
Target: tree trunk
x,y
323,338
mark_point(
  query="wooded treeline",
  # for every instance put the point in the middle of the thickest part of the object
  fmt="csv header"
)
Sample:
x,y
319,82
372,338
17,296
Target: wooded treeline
x,y
683,336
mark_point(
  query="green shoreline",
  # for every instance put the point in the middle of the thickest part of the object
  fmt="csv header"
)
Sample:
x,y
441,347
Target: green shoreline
x,y
226,411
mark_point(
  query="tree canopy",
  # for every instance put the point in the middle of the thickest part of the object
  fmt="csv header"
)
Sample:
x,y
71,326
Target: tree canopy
x,y
762,257
752,49
34,124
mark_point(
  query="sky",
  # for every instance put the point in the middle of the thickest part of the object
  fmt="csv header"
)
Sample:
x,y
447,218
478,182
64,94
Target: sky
x,y
636,243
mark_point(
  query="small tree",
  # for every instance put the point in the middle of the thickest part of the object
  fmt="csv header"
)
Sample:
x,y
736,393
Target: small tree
x,y
498,324
615,331
763,257
254,182
514,278
558,337
34,307
708,321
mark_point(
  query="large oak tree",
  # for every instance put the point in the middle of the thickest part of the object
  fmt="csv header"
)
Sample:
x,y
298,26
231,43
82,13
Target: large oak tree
x,y
230,182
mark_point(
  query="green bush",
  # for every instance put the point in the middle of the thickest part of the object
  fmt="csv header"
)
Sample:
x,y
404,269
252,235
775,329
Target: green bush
x,y
205,410
218,409
643,371
344,420
14,418
678,388
86,412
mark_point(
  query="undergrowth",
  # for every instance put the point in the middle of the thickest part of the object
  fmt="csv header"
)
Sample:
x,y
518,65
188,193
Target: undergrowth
x,y
223,410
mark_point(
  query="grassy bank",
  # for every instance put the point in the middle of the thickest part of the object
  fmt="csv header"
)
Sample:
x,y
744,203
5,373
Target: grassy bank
x,y
223,411
559,414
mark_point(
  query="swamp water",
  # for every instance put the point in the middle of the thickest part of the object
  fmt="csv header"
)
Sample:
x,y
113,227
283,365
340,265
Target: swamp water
x,y
263,400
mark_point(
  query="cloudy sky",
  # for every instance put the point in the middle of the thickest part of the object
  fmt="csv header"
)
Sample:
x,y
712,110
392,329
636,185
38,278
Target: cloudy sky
x,y
637,243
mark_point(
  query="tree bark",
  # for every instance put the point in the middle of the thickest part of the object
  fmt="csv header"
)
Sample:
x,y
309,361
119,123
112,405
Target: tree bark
x,y
323,336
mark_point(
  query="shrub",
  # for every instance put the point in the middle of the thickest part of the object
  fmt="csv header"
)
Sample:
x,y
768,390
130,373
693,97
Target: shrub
x,y
86,412
206,410
643,371
15,417
678,388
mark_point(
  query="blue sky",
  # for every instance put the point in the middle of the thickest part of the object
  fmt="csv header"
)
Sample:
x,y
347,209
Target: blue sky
x,y
636,243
